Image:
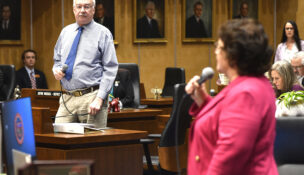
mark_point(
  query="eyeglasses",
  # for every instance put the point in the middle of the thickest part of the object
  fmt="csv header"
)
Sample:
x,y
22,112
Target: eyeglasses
x,y
86,7
297,67
288,28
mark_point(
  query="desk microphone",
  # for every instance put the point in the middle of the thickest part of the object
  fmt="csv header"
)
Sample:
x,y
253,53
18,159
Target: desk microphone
x,y
64,68
207,73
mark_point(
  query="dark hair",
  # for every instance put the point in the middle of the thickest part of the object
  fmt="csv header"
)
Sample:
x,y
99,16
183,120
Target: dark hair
x,y
6,5
197,3
246,45
296,35
26,51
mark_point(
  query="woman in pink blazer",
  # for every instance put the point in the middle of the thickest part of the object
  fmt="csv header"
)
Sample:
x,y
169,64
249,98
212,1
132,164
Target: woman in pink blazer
x,y
233,134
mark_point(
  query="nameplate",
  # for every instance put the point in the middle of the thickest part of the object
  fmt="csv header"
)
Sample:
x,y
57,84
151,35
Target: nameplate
x,y
49,93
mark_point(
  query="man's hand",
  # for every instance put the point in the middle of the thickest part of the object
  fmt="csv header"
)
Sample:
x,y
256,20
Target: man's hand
x,y
95,106
58,74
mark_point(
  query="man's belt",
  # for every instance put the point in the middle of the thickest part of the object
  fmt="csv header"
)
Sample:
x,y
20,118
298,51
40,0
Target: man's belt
x,y
79,93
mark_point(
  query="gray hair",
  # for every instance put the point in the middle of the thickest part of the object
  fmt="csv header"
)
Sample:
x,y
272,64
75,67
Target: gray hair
x,y
286,72
74,3
299,55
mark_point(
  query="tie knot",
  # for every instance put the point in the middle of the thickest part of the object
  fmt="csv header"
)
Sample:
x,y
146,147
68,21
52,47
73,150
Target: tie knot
x,y
80,29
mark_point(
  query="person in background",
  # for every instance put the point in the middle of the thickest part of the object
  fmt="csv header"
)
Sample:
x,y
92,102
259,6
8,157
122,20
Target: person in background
x,y
290,42
218,140
297,63
102,19
28,76
123,88
195,27
147,27
283,78
243,11
88,49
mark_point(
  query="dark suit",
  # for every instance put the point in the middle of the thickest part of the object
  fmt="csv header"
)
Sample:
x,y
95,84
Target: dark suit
x,y
195,29
11,33
108,22
146,30
123,88
24,81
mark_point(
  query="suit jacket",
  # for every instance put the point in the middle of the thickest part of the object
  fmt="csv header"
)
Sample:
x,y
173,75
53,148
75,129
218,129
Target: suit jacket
x,y
234,132
108,22
123,88
12,33
145,30
24,81
195,29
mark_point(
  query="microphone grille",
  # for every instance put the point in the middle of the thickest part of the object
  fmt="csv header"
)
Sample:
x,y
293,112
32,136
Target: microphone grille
x,y
64,67
208,72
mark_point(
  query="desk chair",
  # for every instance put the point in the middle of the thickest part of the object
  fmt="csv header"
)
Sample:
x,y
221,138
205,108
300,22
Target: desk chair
x,y
7,82
135,78
173,136
173,75
288,147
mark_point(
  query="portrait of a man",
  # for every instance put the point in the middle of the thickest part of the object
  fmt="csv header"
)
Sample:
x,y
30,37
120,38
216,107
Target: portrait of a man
x,y
104,14
245,9
10,20
198,18
150,16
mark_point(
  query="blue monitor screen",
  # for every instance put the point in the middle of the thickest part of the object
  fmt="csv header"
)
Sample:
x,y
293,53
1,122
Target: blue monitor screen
x,y
18,129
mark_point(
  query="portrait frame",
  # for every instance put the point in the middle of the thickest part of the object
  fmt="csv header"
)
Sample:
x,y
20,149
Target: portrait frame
x,y
109,16
253,7
138,17
12,36
207,18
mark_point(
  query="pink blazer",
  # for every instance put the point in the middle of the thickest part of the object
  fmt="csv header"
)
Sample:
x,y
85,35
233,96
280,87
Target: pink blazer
x,y
234,132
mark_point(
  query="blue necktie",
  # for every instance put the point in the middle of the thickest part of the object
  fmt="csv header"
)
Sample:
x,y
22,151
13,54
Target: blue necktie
x,y
72,55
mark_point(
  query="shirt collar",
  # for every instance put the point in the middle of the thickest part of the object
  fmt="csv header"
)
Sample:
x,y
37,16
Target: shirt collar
x,y
29,70
85,26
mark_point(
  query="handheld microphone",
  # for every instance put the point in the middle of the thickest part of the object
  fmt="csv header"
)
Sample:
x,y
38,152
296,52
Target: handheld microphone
x,y
207,73
64,68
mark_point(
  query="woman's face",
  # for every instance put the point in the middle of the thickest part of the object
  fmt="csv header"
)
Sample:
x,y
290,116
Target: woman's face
x,y
289,30
221,57
277,80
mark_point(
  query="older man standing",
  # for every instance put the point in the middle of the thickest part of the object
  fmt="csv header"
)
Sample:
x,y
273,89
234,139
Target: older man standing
x,y
297,63
195,27
87,49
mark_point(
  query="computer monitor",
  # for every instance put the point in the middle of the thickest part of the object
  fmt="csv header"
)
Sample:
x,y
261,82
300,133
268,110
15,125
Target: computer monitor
x,y
18,131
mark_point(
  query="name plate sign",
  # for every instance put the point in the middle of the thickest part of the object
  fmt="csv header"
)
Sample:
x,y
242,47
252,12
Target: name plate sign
x,y
49,93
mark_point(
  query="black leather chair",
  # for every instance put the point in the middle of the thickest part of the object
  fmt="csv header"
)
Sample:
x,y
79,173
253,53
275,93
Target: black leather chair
x,y
173,75
289,145
135,78
173,136
7,82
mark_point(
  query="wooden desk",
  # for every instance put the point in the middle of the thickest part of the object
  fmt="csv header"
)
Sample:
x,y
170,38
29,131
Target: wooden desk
x,y
115,151
163,103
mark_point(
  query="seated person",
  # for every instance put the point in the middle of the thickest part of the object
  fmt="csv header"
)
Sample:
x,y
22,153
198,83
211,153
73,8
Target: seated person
x,y
283,78
28,76
123,88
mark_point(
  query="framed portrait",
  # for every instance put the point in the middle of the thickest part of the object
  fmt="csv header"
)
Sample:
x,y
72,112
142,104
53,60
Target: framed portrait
x,y
244,9
10,21
149,21
197,21
104,15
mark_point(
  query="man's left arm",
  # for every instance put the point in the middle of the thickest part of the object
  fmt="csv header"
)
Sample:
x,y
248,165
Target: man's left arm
x,y
110,67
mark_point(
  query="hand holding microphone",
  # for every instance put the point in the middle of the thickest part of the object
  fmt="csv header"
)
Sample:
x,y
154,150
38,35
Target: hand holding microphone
x,y
60,73
196,89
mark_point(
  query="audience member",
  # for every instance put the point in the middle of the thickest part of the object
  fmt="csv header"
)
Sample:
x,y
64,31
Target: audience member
x,y
283,78
195,27
297,63
28,76
234,132
102,19
123,88
243,11
290,42
88,49
9,28
147,27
